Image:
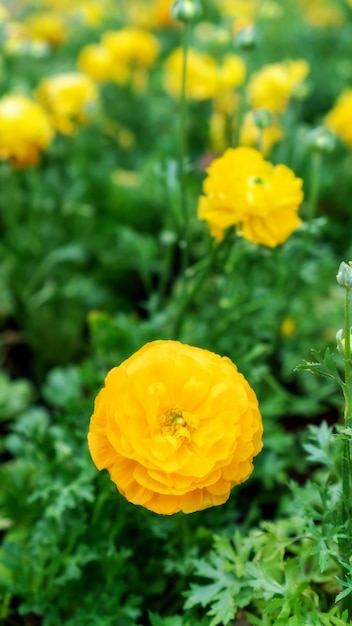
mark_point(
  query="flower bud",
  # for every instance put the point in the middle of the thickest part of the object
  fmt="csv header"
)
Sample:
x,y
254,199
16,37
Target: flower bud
x,y
340,341
263,118
321,140
344,275
247,38
186,10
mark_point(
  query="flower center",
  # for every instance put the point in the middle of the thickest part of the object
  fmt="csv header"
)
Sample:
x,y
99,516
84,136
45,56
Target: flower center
x,y
173,423
257,180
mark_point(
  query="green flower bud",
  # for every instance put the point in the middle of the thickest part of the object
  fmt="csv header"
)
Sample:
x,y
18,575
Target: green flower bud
x,y
341,343
186,10
321,140
263,118
247,38
344,275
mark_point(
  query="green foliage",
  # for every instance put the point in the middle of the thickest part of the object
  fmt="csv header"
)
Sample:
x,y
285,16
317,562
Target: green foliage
x,y
94,264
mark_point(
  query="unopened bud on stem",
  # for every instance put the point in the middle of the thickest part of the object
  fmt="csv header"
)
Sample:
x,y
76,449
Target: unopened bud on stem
x,y
344,275
186,10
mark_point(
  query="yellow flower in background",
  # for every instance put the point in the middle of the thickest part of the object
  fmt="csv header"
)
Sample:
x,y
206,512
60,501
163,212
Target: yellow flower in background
x,y
201,78
69,99
339,119
244,190
322,13
231,73
97,61
149,14
132,46
25,130
274,85
161,13
91,13
133,51
176,427
242,10
288,327
4,14
262,139
47,27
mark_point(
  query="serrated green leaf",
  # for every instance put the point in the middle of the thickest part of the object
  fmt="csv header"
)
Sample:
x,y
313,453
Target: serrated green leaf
x,y
223,609
202,594
324,365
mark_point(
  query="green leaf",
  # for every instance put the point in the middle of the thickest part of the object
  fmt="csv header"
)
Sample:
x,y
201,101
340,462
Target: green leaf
x,y
223,609
323,366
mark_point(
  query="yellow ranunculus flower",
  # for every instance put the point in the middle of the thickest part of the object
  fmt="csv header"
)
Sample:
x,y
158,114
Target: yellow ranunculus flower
x,y
339,119
201,78
69,99
176,427
97,61
161,13
273,86
322,13
132,46
48,28
91,12
264,139
243,190
25,130
231,73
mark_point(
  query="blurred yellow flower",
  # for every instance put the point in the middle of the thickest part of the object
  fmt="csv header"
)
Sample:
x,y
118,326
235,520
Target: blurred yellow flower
x,y
132,46
339,119
4,14
322,13
288,327
201,78
132,51
91,13
25,130
97,61
262,139
69,99
176,427
47,27
243,190
231,72
242,10
273,86
161,13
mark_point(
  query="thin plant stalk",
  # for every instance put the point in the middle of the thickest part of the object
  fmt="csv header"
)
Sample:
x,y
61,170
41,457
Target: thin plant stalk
x,y
183,147
346,508
314,185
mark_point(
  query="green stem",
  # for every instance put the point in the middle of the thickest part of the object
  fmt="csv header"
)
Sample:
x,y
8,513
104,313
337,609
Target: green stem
x,y
189,294
314,185
186,32
346,508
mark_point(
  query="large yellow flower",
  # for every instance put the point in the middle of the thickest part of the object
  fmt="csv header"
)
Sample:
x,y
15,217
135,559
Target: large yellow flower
x,y
69,99
244,190
177,427
273,86
25,130
339,119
